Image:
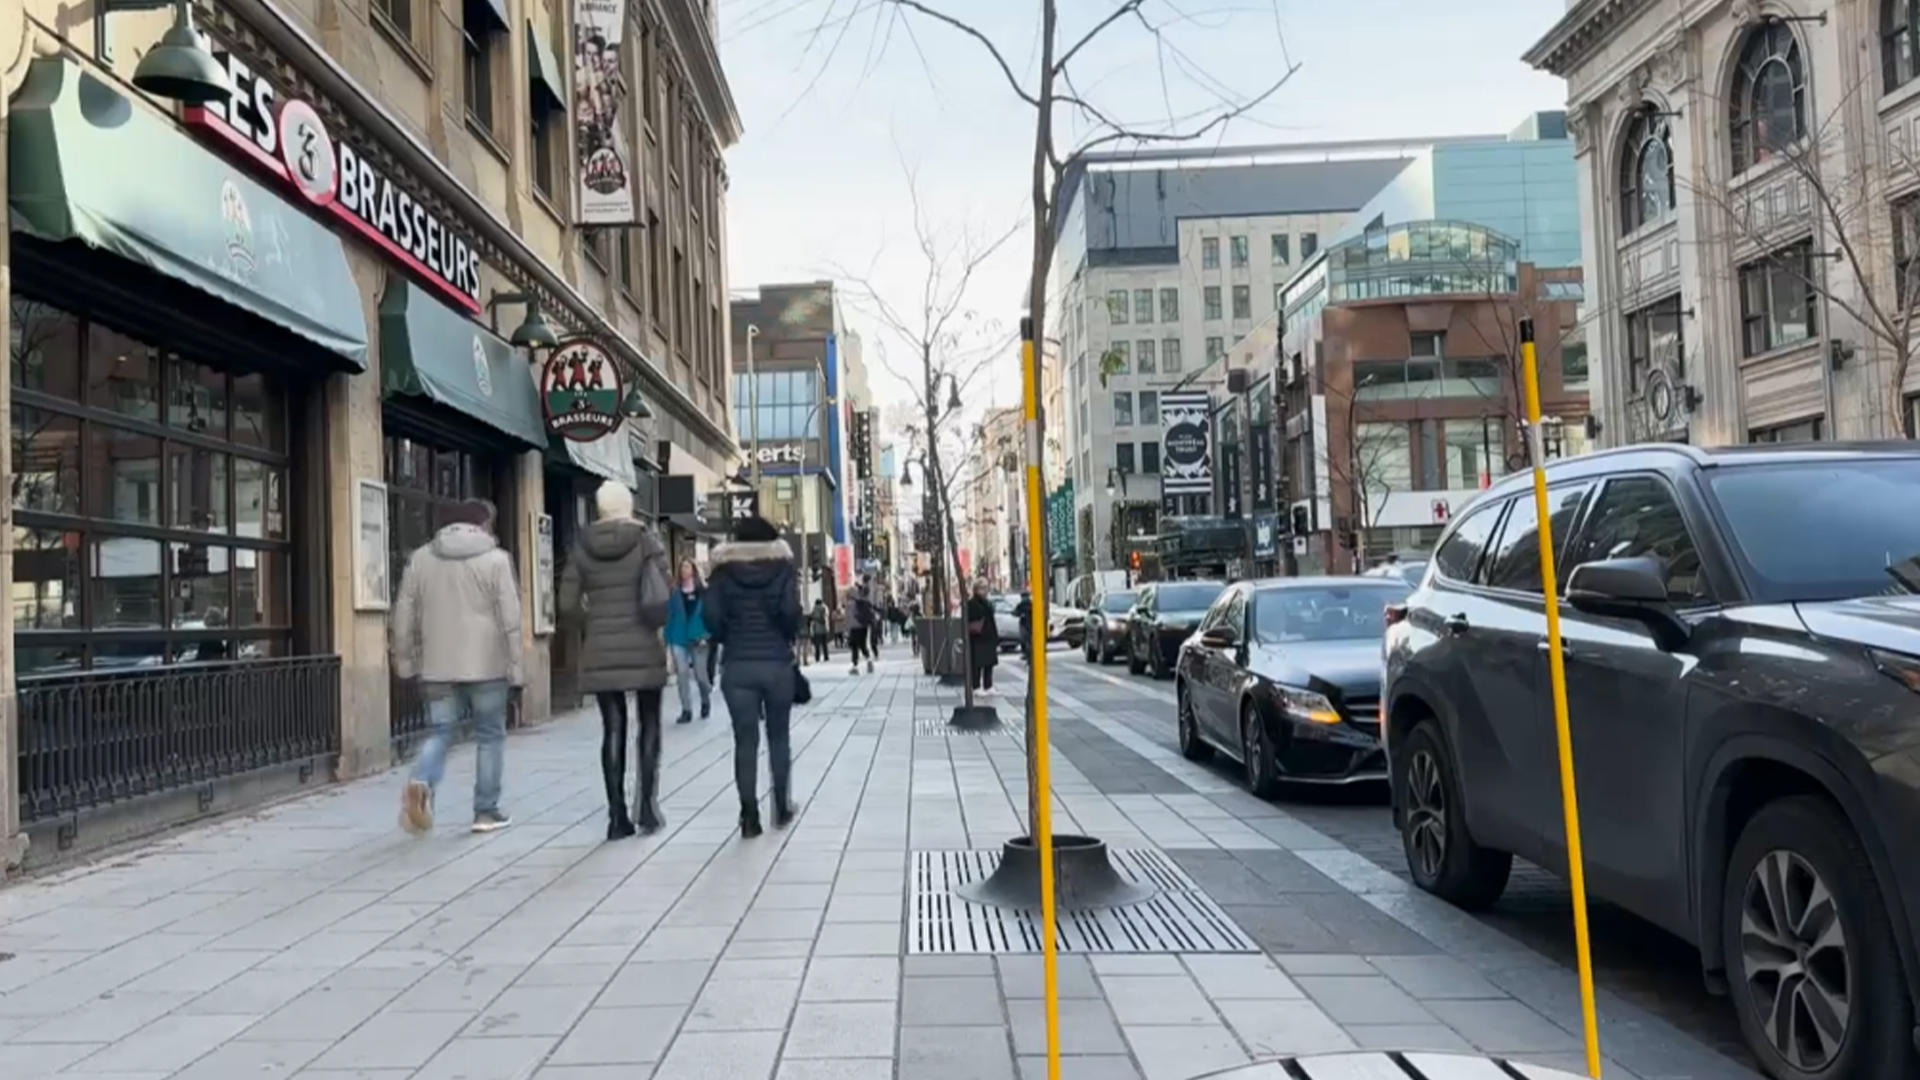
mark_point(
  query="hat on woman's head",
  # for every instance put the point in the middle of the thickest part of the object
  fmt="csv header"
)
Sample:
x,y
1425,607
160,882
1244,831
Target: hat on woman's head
x,y
755,530
613,500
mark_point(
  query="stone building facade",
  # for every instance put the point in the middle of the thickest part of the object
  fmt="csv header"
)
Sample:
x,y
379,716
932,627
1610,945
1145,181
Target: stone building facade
x,y
1748,194
258,341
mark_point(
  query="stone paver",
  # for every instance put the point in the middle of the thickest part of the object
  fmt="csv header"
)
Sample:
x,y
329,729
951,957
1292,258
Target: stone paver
x,y
314,941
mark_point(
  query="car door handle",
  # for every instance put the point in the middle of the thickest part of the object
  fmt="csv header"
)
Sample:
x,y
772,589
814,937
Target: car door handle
x,y
1547,646
1457,624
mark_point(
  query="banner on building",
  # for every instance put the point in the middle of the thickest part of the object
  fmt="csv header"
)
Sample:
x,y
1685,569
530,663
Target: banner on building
x,y
1186,455
600,121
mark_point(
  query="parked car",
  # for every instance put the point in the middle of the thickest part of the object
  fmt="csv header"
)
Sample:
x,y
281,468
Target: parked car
x,y
1741,647
1407,569
1105,625
1283,676
1163,614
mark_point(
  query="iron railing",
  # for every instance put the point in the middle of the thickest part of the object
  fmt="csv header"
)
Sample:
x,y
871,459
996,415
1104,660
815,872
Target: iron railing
x,y
407,723
100,737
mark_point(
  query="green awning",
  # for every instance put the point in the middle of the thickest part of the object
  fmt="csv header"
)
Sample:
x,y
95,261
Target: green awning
x,y
89,165
609,456
544,72
493,9
429,350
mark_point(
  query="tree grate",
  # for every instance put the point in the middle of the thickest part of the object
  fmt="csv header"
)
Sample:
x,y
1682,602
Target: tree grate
x,y
1179,919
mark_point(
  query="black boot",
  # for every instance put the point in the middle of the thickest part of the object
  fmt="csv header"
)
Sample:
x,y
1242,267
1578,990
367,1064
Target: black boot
x,y
646,796
706,708
750,822
783,810
685,717
613,762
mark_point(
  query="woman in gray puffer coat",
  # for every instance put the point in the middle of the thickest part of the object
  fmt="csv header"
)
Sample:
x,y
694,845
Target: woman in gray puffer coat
x,y
615,586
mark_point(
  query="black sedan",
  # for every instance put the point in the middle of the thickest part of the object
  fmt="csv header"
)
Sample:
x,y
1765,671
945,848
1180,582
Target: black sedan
x,y
1163,615
1284,677
1104,629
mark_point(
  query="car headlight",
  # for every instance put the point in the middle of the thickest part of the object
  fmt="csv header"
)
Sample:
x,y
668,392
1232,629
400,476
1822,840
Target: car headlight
x,y
1175,624
1902,669
1306,705
1116,624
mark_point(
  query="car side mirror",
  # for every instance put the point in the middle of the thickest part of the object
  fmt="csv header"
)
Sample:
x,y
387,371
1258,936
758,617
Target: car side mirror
x,y
1220,637
1634,589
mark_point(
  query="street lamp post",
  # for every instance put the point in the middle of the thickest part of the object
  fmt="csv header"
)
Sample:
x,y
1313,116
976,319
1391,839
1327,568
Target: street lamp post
x,y
753,409
1115,529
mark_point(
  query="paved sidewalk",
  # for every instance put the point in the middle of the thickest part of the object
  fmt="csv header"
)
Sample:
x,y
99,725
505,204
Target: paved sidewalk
x,y
316,940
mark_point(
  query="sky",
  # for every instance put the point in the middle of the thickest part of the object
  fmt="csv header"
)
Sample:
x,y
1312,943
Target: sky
x,y
842,101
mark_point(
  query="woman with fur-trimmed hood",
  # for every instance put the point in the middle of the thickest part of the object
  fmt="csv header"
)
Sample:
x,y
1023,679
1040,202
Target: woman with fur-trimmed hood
x,y
752,609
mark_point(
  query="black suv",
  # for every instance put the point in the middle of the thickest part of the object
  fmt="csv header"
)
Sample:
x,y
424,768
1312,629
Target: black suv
x,y
1163,616
1742,654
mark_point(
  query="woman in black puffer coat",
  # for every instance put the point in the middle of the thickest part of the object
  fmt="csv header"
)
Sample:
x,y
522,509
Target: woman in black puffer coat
x,y
615,587
753,611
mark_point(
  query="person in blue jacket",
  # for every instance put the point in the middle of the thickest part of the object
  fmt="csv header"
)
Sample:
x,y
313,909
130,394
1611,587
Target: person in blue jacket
x,y
687,637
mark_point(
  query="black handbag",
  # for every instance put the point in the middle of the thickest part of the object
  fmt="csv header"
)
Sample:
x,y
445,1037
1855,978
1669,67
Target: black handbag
x,y
802,689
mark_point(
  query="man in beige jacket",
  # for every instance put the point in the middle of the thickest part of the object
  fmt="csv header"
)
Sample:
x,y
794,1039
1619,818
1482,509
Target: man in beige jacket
x,y
456,628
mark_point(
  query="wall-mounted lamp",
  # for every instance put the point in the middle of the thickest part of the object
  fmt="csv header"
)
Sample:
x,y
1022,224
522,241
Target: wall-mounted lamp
x,y
635,406
180,66
1771,19
1652,111
533,331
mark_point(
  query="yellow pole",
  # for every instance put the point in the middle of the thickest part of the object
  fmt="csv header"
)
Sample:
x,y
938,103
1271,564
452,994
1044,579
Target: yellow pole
x,y
1557,673
1037,672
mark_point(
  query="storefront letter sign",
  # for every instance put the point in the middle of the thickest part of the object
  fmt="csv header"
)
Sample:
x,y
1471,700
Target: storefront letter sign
x,y
581,390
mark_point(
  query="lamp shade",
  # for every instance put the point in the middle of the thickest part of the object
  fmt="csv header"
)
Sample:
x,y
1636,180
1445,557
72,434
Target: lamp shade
x,y
180,67
533,331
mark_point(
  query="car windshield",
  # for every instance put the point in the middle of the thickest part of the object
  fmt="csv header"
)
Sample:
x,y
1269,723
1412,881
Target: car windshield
x,y
1809,531
1116,602
1324,613
1197,596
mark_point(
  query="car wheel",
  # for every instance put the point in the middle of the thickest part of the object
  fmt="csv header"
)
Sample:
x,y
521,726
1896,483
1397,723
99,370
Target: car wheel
x,y
1811,957
1135,665
1263,772
1157,664
1192,746
1441,854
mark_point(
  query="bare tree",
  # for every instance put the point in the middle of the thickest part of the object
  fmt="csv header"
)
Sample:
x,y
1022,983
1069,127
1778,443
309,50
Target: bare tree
x,y
952,345
1817,213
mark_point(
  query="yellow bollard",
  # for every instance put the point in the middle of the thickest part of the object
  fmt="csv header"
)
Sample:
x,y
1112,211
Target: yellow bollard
x,y
1037,672
1557,672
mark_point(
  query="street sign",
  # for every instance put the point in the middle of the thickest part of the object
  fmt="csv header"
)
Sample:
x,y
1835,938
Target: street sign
x,y
1441,511
743,504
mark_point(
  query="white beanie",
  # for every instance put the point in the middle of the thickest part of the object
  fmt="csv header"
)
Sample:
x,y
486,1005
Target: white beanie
x,y
613,500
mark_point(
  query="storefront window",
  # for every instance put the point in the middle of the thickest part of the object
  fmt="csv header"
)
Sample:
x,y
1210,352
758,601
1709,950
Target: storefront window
x,y
420,480
145,521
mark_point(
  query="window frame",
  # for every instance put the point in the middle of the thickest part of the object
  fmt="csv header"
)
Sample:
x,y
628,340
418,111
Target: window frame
x,y
1243,301
1495,507
1766,270
1645,133
1763,47
1280,249
1581,537
1143,300
1238,253
1899,47
1563,542
1209,253
1211,308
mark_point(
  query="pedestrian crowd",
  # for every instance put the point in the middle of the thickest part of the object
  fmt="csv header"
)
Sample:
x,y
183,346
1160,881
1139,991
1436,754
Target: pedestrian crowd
x,y
457,632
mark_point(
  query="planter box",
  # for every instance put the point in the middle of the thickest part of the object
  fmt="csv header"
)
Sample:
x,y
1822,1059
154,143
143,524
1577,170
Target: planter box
x,y
943,646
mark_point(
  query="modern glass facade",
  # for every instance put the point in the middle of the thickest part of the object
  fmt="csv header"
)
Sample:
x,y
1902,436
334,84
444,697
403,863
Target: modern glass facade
x,y
787,402
1423,258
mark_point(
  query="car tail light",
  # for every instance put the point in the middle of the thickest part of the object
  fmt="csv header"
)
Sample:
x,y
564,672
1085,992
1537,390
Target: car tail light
x,y
1396,613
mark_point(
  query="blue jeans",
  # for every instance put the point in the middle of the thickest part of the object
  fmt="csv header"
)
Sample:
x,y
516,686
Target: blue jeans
x,y
759,690
690,669
486,702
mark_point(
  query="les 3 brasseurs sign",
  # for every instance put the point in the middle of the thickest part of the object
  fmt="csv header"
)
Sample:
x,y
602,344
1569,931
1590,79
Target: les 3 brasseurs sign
x,y
286,138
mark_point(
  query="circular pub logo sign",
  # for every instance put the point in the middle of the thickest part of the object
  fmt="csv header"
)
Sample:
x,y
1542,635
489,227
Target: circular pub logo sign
x,y
581,390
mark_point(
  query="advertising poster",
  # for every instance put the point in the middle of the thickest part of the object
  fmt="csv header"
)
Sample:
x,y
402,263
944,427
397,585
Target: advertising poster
x,y
600,121
544,577
1186,462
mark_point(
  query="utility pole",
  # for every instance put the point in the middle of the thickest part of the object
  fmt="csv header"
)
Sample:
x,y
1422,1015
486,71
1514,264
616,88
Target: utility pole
x,y
753,411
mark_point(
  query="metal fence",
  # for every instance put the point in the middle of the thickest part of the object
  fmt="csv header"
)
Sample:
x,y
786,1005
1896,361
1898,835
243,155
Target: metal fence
x,y
100,737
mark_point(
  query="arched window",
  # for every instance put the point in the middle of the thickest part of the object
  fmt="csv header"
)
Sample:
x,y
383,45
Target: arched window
x,y
1898,46
1646,170
1768,111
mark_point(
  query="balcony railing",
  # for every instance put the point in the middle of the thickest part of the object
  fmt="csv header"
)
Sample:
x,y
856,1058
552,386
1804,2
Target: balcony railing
x,y
101,737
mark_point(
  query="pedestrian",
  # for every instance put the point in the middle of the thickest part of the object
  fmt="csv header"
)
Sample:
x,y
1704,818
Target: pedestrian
x,y
860,620
1024,612
819,630
753,611
687,637
456,628
615,587
983,640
